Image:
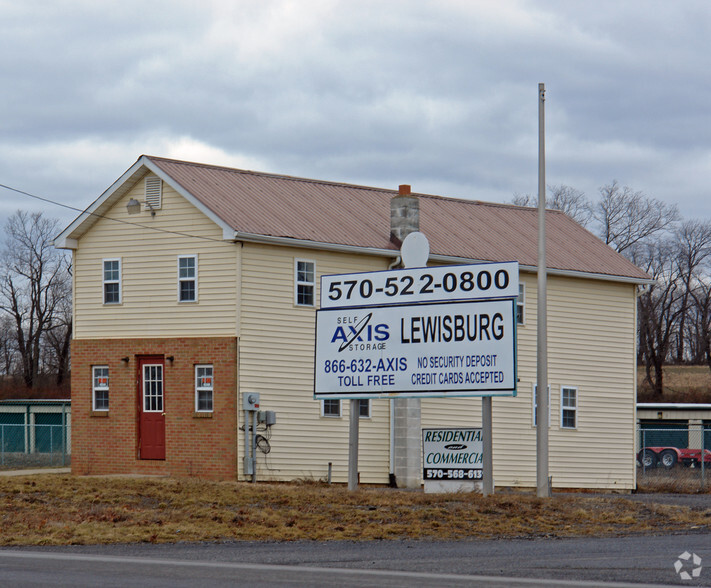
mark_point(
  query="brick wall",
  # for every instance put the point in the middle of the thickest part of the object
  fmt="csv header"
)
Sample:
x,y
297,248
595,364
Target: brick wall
x,y
107,442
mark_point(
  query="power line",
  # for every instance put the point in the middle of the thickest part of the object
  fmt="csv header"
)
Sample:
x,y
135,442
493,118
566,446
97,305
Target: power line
x,y
116,220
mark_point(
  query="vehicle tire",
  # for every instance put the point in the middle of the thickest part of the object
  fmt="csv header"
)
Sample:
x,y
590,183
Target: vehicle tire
x,y
668,458
647,459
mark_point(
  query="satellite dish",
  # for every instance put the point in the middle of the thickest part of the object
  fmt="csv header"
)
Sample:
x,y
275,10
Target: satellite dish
x,y
415,250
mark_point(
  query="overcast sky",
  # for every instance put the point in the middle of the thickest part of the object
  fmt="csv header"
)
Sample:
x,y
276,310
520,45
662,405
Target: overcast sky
x,y
442,95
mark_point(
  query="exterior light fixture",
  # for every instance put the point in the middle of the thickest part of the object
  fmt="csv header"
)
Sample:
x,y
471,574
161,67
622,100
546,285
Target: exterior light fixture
x,y
124,360
170,358
133,206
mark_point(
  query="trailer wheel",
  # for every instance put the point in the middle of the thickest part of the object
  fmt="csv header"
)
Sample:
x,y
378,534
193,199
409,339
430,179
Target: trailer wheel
x,y
647,458
668,458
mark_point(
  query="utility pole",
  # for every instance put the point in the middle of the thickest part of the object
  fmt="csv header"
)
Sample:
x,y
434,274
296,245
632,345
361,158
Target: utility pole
x,y
543,485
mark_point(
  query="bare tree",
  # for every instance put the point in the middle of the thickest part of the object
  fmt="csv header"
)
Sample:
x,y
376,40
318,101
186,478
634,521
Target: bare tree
x,y
700,323
693,240
567,199
8,348
626,217
659,306
33,285
58,337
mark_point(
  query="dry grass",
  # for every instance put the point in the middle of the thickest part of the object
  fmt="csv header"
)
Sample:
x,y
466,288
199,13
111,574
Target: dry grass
x,y
60,510
682,383
678,480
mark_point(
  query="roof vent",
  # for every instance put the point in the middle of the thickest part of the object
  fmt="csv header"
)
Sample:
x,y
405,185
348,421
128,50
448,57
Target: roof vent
x,y
154,193
404,213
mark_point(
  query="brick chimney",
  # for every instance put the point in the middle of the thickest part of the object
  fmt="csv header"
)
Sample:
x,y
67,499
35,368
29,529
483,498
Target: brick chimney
x,y
404,213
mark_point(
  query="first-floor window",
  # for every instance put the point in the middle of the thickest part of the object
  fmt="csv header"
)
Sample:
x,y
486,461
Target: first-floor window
x,y
100,387
568,408
364,408
535,405
203,388
331,407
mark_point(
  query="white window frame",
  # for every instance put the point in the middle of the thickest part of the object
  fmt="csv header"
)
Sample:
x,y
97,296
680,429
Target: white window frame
x,y
573,409
191,279
150,395
202,386
330,415
521,303
535,405
304,283
105,282
95,387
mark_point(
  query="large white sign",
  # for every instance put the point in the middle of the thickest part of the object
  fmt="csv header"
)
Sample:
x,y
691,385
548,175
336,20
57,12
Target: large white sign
x,y
452,454
450,349
427,284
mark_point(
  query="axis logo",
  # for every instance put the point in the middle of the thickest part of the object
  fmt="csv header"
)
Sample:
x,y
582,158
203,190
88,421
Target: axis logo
x,y
688,566
361,332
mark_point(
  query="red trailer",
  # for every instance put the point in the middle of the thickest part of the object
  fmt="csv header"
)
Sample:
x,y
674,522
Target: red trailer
x,y
668,457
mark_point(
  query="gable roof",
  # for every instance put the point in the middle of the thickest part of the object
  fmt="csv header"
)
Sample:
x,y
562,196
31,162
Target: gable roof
x,y
281,209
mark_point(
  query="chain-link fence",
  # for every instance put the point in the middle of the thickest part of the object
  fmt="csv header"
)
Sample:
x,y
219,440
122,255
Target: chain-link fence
x,y
674,457
35,434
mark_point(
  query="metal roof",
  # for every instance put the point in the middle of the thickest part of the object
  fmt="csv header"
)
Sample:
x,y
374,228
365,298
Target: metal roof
x,y
324,213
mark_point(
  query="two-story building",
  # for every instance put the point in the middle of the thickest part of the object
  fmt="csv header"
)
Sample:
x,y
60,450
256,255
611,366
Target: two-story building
x,y
196,284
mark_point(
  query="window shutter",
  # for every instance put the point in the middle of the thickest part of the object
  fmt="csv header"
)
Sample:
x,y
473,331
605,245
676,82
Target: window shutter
x,y
154,191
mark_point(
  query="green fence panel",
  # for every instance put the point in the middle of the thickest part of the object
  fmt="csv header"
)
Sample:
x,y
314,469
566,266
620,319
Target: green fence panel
x,y
12,432
664,434
48,432
707,435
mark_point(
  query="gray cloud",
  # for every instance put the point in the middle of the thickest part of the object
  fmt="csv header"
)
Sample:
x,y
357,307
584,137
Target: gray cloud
x,y
442,95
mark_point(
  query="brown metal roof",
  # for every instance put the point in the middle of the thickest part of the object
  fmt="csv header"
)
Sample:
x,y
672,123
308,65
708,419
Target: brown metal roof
x,y
329,212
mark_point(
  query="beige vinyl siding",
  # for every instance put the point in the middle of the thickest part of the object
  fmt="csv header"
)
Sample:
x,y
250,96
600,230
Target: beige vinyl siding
x,y
591,346
149,306
277,360
591,341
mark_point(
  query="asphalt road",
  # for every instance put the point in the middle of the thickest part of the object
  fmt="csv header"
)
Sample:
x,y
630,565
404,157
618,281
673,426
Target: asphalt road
x,y
608,562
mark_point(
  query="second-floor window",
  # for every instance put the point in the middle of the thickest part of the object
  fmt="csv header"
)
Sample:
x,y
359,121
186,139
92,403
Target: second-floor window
x,y
112,281
187,278
521,305
304,282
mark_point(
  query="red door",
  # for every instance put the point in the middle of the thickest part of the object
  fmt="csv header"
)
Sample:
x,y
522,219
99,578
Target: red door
x,y
151,426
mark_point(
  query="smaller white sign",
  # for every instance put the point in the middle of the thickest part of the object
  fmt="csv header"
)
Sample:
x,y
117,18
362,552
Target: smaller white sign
x,y
452,454
428,284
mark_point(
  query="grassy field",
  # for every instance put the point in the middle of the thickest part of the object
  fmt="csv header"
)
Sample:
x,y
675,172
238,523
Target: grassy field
x,y
60,510
684,383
